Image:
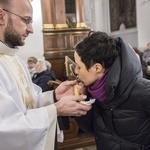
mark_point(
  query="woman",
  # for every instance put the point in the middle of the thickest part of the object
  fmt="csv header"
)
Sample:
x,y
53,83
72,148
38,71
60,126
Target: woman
x,y
111,72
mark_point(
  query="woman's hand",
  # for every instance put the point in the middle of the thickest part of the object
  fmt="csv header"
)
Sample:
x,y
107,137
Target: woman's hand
x,y
81,88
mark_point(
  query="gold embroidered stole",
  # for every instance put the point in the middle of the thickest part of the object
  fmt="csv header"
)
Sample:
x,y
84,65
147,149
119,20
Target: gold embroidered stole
x,y
20,78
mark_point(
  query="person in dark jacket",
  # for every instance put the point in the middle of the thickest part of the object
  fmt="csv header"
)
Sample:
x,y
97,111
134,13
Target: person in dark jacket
x,y
145,60
43,75
112,74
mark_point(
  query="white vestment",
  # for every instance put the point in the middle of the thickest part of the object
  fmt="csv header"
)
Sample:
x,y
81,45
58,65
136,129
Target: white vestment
x,y
27,120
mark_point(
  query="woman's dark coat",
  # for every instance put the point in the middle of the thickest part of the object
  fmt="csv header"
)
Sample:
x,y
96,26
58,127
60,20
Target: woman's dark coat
x,y
123,121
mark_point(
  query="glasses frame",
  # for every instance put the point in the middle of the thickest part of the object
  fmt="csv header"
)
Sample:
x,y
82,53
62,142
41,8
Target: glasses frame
x,y
25,20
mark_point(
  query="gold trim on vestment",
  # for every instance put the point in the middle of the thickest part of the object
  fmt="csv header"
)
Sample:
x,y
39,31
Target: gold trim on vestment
x,y
15,69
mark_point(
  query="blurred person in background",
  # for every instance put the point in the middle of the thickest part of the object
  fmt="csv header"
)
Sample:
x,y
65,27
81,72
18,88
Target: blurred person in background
x,y
145,60
48,65
43,74
31,65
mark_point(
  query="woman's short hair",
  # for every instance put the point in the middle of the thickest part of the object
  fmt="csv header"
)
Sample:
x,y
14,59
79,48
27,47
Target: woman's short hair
x,y
97,47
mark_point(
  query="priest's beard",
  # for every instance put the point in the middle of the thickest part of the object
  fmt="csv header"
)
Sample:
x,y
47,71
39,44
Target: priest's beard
x,y
11,36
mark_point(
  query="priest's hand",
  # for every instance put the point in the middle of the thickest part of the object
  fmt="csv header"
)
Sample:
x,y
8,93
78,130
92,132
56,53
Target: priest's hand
x,y
66,88
71,106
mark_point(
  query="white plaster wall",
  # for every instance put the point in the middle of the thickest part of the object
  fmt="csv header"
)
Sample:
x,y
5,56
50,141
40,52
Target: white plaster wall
x,y
98,12
93,14
87,9
34,43
143,23
129,36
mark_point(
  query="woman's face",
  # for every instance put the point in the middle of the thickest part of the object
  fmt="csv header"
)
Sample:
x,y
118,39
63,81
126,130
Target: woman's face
x,y
90,76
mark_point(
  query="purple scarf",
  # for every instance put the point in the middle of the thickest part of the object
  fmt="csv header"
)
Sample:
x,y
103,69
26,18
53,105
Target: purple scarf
x,y
97,90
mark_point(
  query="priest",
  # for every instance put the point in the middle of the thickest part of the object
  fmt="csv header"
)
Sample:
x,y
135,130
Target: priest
x,y
28,117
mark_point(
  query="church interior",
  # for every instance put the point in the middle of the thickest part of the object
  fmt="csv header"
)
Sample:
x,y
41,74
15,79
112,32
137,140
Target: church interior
x,y
60,24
